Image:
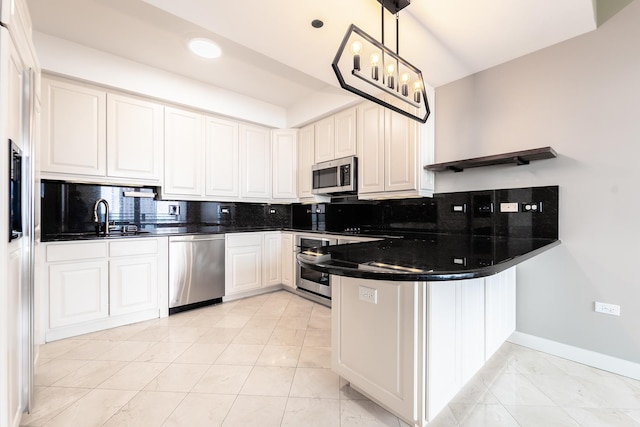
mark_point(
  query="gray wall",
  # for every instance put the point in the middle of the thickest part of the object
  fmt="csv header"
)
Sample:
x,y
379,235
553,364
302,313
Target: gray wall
x,y
582,97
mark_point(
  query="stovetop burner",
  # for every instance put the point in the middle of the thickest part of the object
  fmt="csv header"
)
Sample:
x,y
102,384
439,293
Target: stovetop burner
x,y
352,230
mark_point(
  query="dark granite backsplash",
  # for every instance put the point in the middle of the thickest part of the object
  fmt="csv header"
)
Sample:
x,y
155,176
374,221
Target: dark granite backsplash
x,y
475,212
68,207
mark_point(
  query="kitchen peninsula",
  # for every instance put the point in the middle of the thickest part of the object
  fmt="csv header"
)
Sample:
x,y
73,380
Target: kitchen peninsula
x,y
413,319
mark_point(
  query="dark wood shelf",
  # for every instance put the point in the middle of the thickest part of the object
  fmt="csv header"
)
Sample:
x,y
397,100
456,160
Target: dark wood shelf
x,y
517,158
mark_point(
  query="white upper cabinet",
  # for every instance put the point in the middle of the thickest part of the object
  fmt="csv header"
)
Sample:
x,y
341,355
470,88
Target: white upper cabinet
x,y
400,152
335,136
325,140
74,129
345,133
305,161
392,150
255,163
184,154
284,161
102,136
222,158
134,138
370,148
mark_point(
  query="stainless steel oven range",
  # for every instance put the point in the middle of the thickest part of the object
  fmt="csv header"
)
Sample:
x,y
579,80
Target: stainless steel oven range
x,y
308,280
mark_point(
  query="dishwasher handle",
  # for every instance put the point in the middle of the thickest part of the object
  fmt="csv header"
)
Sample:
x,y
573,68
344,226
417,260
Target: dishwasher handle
x,y
196,238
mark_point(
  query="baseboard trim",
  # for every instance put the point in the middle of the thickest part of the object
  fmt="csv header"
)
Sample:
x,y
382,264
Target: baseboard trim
x,y
576,354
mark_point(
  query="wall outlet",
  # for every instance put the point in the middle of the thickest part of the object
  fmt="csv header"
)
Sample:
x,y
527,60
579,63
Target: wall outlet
x,y
532,207
509,207
174,209
367,294
601,307
272,211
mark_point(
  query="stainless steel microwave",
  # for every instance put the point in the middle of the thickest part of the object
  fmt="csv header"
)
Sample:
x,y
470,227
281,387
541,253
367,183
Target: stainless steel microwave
x,y
337,176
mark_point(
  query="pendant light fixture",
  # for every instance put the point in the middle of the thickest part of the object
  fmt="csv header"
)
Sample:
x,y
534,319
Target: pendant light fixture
x,y
369,69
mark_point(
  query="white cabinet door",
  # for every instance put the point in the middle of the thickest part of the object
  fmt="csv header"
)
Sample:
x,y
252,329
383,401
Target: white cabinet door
x,y
500,294
222,158
345,133
400,155
284,160
184,149
243,262
375,339
14,95
14,329
387,159
455,334
325,140
305,161
78,292
288,260
272,264
74,129
370,148
134,138
133,284
255,163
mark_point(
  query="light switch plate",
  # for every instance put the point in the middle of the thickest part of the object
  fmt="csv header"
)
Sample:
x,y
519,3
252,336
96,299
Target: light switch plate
x,y
508,207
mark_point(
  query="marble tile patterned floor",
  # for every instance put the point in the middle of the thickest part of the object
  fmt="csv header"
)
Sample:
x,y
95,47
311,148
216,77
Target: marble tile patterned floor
x,y
265,361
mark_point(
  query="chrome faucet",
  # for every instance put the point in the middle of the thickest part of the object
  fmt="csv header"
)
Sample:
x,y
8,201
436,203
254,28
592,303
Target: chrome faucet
x,y
106,215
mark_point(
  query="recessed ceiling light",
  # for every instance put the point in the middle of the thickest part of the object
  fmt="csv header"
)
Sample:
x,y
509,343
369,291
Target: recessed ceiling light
x,y
205,48
316,23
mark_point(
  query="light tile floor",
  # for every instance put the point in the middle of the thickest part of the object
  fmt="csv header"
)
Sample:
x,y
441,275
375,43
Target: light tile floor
x,y
265,361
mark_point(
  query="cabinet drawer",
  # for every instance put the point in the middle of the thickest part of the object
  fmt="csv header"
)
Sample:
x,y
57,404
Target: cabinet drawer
x,y
244,239
133,247
76,251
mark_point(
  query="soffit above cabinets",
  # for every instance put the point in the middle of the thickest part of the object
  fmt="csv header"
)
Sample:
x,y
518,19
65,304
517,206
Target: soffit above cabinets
x,y
272,53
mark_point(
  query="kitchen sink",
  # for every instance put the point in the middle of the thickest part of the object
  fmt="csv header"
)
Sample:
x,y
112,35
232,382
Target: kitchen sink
x,y
93,235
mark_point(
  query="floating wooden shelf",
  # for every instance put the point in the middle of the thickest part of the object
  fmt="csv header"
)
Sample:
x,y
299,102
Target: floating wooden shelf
x,y
517,158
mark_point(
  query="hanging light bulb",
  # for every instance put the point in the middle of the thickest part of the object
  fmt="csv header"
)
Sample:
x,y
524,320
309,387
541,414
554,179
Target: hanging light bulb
x,y
391,69
375,60
356,47
417,88
404,80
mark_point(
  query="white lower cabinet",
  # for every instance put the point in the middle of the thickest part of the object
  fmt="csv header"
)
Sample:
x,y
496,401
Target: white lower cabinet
x,y
98,285
272,266
243,262
253,263
411,346
375,339
133,273
288,260
78,292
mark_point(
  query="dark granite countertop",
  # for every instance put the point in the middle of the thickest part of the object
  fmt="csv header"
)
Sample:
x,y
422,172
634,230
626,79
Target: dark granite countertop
x,y
154,232
161,231
430,257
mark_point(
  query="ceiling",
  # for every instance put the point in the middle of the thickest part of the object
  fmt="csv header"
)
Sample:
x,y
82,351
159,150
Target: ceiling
x,y
272,53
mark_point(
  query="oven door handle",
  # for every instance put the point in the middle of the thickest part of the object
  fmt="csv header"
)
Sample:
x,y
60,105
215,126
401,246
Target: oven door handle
x,y
313,257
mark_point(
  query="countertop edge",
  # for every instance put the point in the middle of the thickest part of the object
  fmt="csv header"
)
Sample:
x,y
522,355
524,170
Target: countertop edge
x,y
432,276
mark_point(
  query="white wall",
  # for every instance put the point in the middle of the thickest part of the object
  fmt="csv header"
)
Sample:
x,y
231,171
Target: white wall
x,y
582,98
80,62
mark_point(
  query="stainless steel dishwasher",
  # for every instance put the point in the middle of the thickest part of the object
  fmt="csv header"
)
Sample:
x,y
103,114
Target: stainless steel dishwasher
x,y
196,271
